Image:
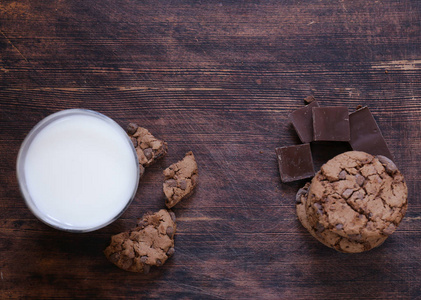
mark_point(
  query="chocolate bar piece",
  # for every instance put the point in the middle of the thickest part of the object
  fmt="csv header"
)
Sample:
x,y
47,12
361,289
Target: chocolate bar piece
x,y
295,162
366,135
331,124
302,120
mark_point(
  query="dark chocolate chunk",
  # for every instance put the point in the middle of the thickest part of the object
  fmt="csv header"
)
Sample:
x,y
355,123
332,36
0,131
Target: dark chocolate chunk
x,y
131,128
331,124
171,183
390,229
170,231
148,153
301,192
366,135
302,121
359,179
183,184
319,208
295,162
171,251
388,164
347,193
134,142
172,214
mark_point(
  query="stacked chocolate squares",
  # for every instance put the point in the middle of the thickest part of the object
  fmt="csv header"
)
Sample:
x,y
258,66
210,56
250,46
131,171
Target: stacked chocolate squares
x,y
328,124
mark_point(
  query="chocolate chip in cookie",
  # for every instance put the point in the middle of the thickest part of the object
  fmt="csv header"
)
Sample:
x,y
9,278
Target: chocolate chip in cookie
x,y
149,244
180,180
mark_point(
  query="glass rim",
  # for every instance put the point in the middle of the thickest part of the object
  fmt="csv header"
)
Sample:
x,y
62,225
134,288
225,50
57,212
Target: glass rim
x,y
20,162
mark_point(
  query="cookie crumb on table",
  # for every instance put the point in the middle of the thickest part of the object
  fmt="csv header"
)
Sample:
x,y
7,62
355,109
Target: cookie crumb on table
x,y
180,180
151,243
148,148
309,99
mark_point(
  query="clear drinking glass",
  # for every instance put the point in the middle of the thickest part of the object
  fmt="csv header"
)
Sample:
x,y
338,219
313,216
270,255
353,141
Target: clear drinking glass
x,y
32,205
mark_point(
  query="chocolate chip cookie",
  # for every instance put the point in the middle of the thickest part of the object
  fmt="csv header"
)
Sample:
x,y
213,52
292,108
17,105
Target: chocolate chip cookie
x,y
148,148
354,202
151,243
180,180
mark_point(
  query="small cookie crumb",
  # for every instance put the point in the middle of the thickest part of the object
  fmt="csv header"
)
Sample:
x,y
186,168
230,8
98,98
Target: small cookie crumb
x,y
309,99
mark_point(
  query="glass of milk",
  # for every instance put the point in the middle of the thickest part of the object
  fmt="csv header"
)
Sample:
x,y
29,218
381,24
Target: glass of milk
x,y
77,170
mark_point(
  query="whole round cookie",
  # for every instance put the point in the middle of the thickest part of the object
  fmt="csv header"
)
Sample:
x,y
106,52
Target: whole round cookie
x,y
354,202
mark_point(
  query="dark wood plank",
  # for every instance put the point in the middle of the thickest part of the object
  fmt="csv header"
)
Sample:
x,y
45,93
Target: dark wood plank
x,y
218,78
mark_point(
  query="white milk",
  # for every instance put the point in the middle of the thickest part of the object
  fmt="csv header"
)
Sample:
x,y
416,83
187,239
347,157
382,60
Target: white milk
x,y
81,172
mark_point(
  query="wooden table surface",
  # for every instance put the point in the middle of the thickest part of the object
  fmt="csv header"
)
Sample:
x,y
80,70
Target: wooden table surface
x,y
218,78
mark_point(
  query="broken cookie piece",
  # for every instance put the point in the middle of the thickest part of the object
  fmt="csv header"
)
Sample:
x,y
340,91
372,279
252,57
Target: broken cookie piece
x,y
180,180
151,243
354,202
148,148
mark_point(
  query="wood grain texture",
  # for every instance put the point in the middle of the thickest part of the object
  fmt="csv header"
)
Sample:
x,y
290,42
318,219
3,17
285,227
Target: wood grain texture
x,y
218,78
